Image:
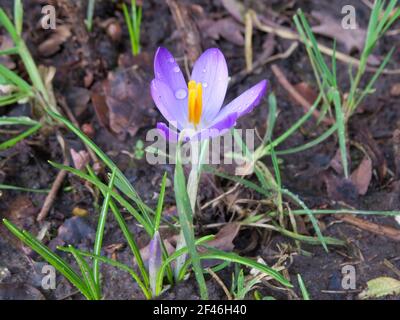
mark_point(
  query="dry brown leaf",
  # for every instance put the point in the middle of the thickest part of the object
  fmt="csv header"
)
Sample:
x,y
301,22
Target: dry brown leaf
x,y
235,8
332,28
395,90
122,102
341,189
224,238
80,158
361,177
6,43
307,92
226,28
53,44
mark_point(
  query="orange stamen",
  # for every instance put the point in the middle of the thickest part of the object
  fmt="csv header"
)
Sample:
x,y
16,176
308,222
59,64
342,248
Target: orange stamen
x,y
195,102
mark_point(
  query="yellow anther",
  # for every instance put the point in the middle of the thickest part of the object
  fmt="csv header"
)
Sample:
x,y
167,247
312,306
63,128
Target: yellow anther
x,y
195,102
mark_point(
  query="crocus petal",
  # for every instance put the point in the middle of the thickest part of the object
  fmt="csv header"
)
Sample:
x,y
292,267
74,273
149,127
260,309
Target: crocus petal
x,y
167,132
168,104
168,71
211,70
217,129
245,102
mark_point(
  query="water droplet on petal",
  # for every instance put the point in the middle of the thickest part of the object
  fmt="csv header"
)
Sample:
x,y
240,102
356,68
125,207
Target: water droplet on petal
x,y
171,60
205,84
180,94
204,70
176,69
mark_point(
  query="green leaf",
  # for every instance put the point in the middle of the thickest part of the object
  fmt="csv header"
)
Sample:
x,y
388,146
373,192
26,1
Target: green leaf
x,y
380,287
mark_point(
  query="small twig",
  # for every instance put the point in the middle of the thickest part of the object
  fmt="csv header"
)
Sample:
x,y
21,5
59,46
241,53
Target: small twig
x,y
388,232
48,203
221,196
187,28
248,45
295,94
219,281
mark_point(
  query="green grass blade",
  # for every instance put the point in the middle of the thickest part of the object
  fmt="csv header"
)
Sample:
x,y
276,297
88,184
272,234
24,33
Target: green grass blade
x,y
18,16
100,231
313,220
8,121
303,288
186,222
50,257
271,117
121,182
14,78
6,22
13,141
213,253
103,188
114,264
15,188
341,129
157,218
86,273
311,143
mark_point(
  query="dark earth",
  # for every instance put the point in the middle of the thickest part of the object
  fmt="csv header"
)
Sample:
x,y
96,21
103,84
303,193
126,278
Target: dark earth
x,y
84,62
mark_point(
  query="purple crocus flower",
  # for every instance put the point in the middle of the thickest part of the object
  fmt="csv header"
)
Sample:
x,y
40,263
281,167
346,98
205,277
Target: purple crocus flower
x,y
196,107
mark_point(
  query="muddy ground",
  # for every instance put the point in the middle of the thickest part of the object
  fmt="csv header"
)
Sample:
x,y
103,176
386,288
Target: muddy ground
x,y
83,62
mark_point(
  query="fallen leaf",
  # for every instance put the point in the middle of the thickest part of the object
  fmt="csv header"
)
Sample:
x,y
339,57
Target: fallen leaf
x,y
341,189
80,159
226,28
395,90
100,106
365,138
224,238
332,28
129,102
74,231
306,91
78,98
381,287
361,177
235,8
53,44
6,43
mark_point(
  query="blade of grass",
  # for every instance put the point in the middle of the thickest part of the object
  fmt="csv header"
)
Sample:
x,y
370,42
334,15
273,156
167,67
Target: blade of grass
x,y
116,264
103,188
50,257
341,128
303,288
186,221
13,141
121,182
100,231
